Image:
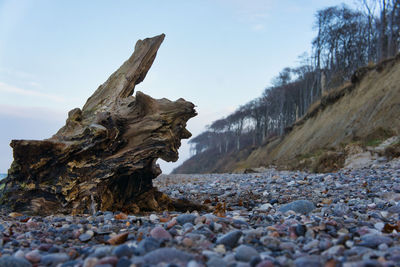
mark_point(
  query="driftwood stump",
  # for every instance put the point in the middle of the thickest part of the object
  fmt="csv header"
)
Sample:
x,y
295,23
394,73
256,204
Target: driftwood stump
x,y
104,158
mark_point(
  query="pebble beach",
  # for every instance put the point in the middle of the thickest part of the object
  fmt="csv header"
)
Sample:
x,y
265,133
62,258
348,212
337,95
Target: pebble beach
x,y
272,218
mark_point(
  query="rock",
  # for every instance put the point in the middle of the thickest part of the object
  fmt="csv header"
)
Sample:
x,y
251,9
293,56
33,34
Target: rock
x,y
104,158
186,218
154,218
309,261
245,253
102,251
160,233
265,263
9,261
298,206
230,239
33,256
340,209
90,262
86,236
118,239
123,250
167,255
147,245
112,260
54,259
124,262
374,240
300,230
265,207
334,251
216,262
15,214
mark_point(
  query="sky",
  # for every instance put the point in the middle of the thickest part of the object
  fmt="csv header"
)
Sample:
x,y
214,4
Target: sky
x,y
218,54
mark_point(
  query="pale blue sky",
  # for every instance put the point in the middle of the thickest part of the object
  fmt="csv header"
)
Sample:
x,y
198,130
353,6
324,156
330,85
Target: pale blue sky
x,y
218,54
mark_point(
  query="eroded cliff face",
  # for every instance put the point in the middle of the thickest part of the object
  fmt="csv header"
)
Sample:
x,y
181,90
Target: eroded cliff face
x,y
364,110
104,158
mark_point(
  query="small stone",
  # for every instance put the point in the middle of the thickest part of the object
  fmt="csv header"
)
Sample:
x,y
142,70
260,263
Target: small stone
x,y
54,259
311,245
379,226
118,239
186,218
146,245
200,219
220,249
167,255
334,251
300,230
10,261
123,250
171,223
112,260
265,263
193,263
309,261
265,207
160,233
374,240
216,262
230,239
245,253
383,247
187,242
124,262
102,251
85,237
15,214
154,218
121,216
33,256
90,262
19,254
298,206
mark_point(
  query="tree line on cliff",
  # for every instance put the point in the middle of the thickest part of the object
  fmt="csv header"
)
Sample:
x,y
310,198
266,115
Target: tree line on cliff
x,y
346,40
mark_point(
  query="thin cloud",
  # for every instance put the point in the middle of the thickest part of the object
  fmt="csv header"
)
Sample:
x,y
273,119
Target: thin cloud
x,y
252,12
258,27
6,88
38,113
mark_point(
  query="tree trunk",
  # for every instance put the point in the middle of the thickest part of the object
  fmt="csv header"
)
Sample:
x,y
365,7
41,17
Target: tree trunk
x,y
104,158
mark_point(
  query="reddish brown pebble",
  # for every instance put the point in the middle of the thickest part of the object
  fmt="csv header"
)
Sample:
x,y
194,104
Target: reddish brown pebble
x,y
160,233
118,239
15,214
121,216
112,260
187,242
171,224
33,256
265,263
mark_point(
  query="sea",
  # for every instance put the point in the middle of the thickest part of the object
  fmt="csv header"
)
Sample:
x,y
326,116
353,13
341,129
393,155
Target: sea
x,y
2,176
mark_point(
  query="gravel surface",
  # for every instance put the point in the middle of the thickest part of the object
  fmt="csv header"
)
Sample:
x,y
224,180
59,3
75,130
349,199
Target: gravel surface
x,y
274,218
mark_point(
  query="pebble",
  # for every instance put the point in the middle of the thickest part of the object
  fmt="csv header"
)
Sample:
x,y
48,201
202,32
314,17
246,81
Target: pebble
x,y
230,239
33,256
245,253
123,250
274,218
298,206
216,262
374,240
186,218
54,259
167,255
160,233
10,261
